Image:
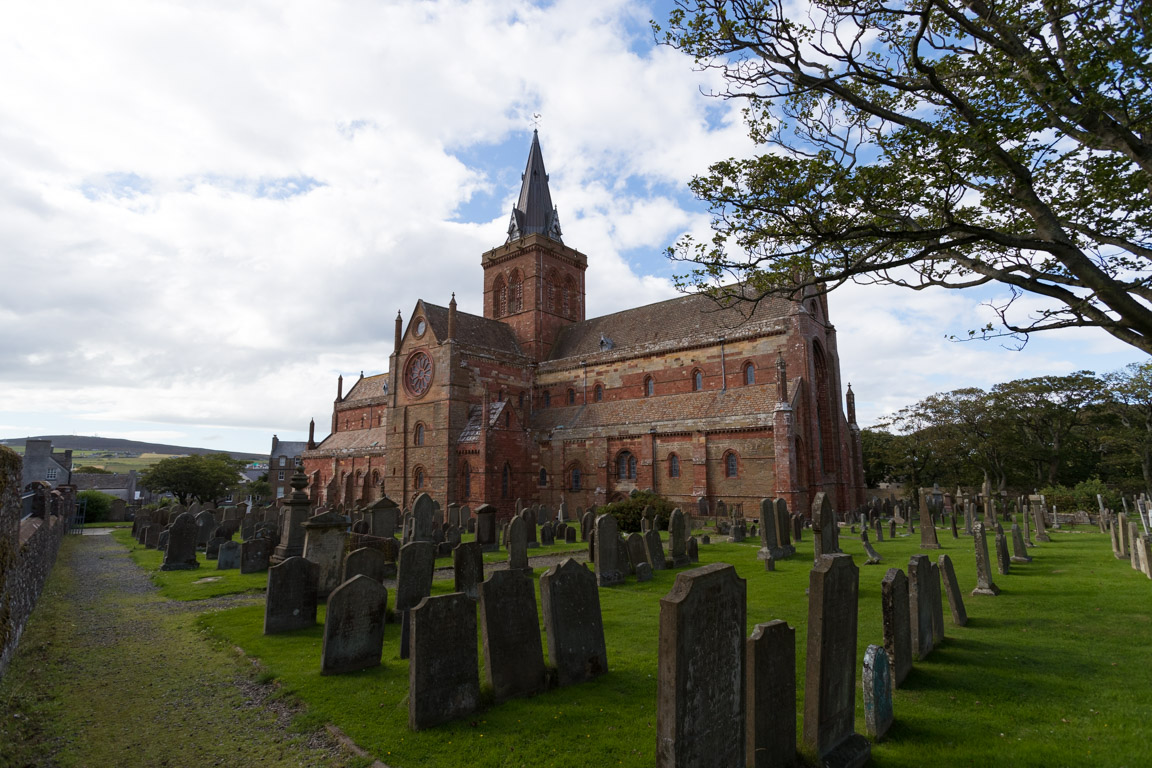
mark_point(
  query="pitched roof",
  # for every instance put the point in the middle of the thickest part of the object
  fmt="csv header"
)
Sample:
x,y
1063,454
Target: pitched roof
x,y
732,408
534,212
290,447
371,439
671,323
473,330
367,388
471,431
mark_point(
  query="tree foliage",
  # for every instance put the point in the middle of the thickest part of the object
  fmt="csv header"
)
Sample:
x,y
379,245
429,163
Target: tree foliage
x,y
97,505
935,143
201,477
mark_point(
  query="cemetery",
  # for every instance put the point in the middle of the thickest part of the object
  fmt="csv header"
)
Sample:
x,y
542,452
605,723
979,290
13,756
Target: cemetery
x,y
770,649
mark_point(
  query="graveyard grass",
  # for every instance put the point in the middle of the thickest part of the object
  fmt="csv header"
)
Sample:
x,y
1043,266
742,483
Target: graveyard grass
x,y
198,584
1054,671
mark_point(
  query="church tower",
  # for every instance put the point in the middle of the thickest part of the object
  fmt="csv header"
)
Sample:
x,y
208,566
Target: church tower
x,y
534,282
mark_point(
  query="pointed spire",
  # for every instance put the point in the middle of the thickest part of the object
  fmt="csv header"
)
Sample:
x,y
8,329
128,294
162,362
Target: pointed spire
x,y
452,318
312,434
534,212
781,379
850,397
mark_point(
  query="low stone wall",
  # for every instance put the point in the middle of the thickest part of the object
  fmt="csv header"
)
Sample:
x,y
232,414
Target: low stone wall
x,y
27,551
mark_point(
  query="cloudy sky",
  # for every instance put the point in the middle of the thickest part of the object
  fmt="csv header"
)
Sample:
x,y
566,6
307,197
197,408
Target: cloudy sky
x,y
209,210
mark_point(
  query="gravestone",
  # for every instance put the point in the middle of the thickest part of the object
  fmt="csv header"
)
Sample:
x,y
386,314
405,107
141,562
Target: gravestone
x,y
180,554
873,555
1041,526
678,538
623,558
423,512
784,528
443,671
229,556
468,568
830,668
984,583
692,550
769,541
770,682
547,535
637,552
454,514
892,528
1003,560
517,547
354,627
248,526
608,565
205,524
291,599
897,623
570,603
366,561
486,528
158,539
586,525
254,555
928,538
920,605
570,535
824,528
382,516
878,527
952,590
877,682
655,550
739,532
936,601
1133,550
1019,551
325,536
643,571
413,583
702,507
295,512
529,518
510,627
212,549
700,715
721,508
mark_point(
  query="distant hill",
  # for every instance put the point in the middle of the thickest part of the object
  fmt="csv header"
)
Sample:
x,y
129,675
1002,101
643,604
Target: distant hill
x,y
84,443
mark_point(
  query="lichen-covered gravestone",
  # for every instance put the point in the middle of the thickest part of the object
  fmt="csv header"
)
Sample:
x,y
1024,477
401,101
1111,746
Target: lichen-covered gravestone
x,y
824,527
877,682
1019,551
254,555
181,552
920,605
325,537
830,667
897,624
655,550
413,583
678,538
770,679
984,583
291,599
608,570
443,672
228,558
700,716
486,528
518,546
952,590
354,626
570,603
510,627
468,568
370,562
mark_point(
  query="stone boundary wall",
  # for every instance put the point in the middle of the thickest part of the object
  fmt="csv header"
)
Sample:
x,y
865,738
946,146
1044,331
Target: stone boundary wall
x,y
27,551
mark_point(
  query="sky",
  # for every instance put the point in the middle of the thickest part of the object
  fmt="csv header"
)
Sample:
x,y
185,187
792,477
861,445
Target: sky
x,y
210,210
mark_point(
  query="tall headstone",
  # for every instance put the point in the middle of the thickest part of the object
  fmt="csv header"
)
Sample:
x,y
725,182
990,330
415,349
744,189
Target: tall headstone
x,y
1003,560
181,552
936,605
529,516
228,558
325,535
443,671
636,551
830,667
920,606
354,626
984,583
1038,517
769,541
587,522
510,627
770,682
570,603
255,555
655,550
423,512
518,547
205,524
413,583
468,568
928,538
784,528
952,590
1019,551
486,528
877,682
897,623
608,566
700,721
873,556
291,599
678,538
824,528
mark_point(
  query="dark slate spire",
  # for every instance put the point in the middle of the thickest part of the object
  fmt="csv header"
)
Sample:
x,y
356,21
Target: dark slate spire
x,y
534,212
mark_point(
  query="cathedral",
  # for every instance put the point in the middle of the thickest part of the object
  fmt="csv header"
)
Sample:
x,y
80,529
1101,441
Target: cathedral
x,y
534,401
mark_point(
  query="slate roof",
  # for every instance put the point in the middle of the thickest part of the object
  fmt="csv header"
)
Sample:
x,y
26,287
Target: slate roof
x,y
367,388
473,330
99,482
471,432
370,439
670,323
290,448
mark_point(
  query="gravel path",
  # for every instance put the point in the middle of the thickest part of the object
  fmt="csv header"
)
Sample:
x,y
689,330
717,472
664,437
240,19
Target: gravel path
x,y
108,673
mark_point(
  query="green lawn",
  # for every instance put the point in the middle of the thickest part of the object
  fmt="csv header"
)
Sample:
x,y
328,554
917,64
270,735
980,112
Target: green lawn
x,y
1055,671
199,584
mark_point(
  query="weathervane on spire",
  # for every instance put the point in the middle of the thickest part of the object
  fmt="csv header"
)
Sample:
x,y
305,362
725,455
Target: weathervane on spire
x,y
536,121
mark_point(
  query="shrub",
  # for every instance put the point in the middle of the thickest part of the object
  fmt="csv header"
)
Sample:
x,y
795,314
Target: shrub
x,y
630,511
1081,497
97,505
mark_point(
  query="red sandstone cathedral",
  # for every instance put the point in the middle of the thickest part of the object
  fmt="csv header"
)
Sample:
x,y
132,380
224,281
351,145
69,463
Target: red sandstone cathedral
x,y
534,402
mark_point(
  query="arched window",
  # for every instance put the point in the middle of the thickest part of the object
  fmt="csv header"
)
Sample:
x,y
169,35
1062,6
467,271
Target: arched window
x,y
649,386
625,466
507,419
418,435
571,396
375,477
749,374
499,297
673,465
547,399
506,482
550,291
824,409
574,477
466,481
598,393
418,478
731,465
515,292
571,301
697,380
566,299
543,476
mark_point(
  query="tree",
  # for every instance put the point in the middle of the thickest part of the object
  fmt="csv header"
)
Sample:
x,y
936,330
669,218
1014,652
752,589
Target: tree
x,y
97,505
1130,398
944,143
201,477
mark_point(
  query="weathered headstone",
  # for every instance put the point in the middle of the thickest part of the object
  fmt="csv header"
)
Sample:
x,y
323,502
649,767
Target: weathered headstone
x,y
587,522
443,671
928,538
530,518
984,583
1019,551
468,568
254,555
824,528
920,606
367,561
510,627
205,524
637,552
830,667
1003,560
936,603
877,682
678,538
413,583
700,720
181,552
325,536
570,603
897,623
1041,526
873,555
517,547
423,510
655,549
291,599
354,626
382,516
212,549
952,590
608,565
486,528
229,556
770,682
692,550
643,571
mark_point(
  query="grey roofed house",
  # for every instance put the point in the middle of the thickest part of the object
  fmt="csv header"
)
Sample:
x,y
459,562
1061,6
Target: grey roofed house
x,y
282,462
41,463
121,485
